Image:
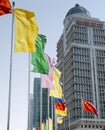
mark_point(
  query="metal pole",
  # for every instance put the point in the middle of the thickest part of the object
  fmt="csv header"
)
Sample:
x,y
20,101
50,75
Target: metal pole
x,y
82,113
28,123
52,111
55,118
69,119
10,77
48,109
40,107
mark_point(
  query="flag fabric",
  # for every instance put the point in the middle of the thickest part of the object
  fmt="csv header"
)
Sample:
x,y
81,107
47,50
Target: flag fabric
x,y
89,107
61,112
46,124
60,106
58,100
42,128
33,128
39,60
59,103
26,30
38,127
47,81
50,124
59,120
5,7
57,92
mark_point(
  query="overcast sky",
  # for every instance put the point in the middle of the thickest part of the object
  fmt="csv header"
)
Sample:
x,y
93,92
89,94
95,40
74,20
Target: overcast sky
x,y
49,16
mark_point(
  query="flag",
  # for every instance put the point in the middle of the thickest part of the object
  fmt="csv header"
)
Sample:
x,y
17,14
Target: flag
x,y
59,103
59,120
26,31
39,60
47,81
89,107
38,127
33,128
59,106
57,92
46,124
5,7
42,128
58,100
61,112
50,124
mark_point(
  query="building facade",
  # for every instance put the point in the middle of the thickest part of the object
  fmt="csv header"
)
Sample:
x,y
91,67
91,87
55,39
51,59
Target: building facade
x,y
81,59
40,104
31,112
36,103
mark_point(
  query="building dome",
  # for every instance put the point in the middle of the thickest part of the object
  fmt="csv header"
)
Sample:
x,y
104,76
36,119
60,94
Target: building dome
x,y
78,9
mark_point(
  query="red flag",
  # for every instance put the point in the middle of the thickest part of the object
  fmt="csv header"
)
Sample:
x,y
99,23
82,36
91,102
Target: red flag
x,y
60,106
38,127
5,7
89,107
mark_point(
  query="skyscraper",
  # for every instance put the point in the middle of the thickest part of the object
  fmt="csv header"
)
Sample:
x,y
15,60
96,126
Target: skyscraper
x,y
36,102
40,103
81,59
31,112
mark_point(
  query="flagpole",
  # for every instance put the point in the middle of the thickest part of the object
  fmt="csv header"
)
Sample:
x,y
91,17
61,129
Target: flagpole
x,y
69,119
82,113
10,77
40,107
52,111
48,109
28,122
55,119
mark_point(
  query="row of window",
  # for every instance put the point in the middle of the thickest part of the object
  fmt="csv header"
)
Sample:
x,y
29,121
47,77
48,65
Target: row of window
x,y
100,59
81,41
82,72
101,80
81,87
100,52
99,38
85,80
80,35
101,66
99,31
82,65
83,95
81,50
81,58
80,29
97,43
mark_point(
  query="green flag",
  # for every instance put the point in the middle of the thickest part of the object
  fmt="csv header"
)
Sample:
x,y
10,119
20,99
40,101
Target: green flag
x,y
39,60
44,126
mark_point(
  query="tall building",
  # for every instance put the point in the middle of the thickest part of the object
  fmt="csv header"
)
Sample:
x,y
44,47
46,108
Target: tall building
x,y
37,113
81,59
31,112
36,102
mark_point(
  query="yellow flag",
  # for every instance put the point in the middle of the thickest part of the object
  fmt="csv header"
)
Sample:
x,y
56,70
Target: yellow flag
x,y
33,128
42,126
50,124
61,112
60,121
26,30
57,92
